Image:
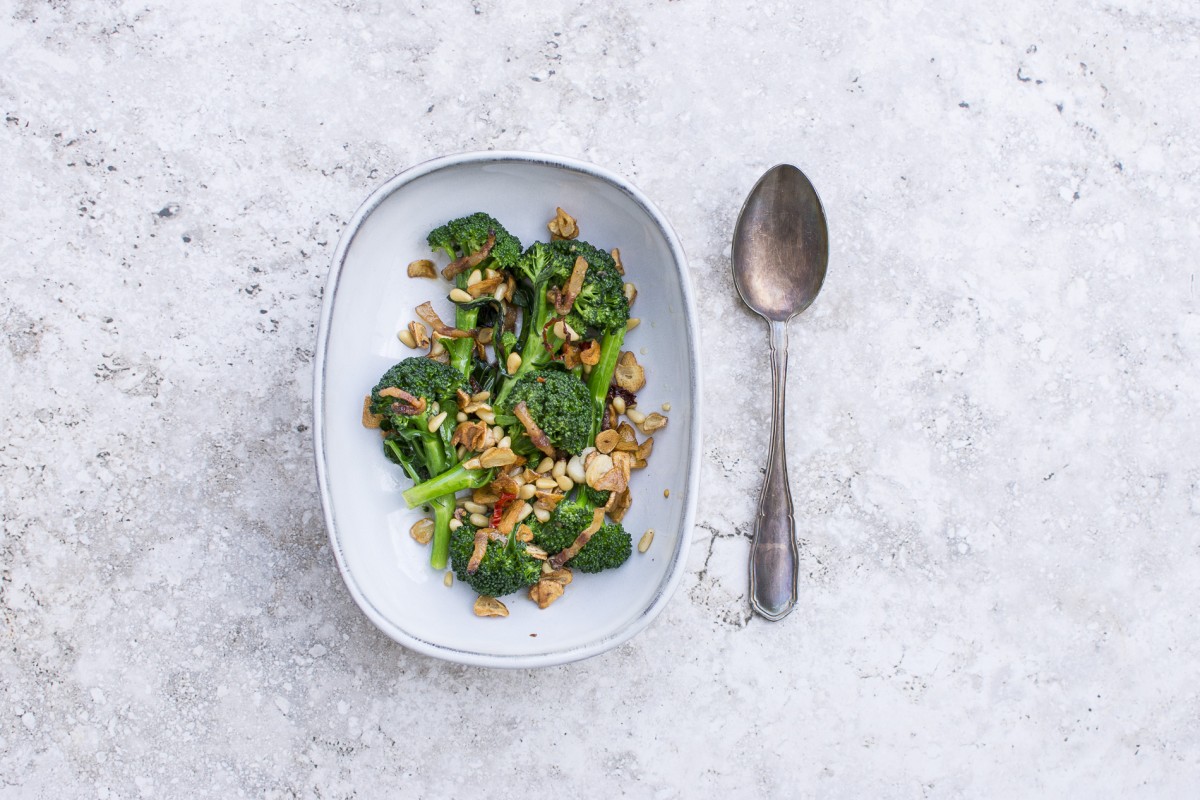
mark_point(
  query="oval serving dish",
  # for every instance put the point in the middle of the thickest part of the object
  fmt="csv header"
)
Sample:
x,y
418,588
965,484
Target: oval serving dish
x,y
368,298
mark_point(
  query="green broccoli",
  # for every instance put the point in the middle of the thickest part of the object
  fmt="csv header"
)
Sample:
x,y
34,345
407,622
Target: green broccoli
x,y
600,309
607,548
601,305
560,405
426,386
462,237
540,267
573,248
563,527
469,234
593,497
506,566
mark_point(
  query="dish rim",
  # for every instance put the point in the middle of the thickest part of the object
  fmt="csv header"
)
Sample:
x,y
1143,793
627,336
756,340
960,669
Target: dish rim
x,y
674,575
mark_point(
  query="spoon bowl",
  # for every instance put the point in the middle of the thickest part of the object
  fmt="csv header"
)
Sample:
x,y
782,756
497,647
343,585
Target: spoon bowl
x,y
780,245
780,253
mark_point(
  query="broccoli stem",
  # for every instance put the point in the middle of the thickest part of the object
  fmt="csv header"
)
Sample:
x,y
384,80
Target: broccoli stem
x,y
443,512
435,456
465,319
602,373
534,354
445,484
443,507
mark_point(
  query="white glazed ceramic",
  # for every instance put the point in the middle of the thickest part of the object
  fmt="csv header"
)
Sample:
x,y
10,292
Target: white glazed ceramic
x,y
369,298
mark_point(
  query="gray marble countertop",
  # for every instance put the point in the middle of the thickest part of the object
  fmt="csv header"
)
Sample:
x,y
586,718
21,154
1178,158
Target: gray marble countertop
x,y
993,441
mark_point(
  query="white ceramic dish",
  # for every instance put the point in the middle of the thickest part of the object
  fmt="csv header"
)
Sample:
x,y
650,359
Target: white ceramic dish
x,y
368,298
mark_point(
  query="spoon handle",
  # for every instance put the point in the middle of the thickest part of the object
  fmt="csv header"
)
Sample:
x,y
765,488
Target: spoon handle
x,y
773,554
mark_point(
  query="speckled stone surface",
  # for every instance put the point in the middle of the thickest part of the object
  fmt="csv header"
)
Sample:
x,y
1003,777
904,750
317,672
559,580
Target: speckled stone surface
x,y
993,439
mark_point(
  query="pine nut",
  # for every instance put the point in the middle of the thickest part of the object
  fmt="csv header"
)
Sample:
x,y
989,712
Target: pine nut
x,y
490,273
571,333
565,483
498,433
524,513
545,465
619,404
666,492
560,330
436,422
630,293
459,296
460,451
633,323
505,443
635,416
475,277
461,416
575,469
449,579
644,542
406,338
560,468
455,524
486,415
542,515
527,491
546,483
479,520
666,406
513,363
438,348
481,397
474,508
501,292
586,452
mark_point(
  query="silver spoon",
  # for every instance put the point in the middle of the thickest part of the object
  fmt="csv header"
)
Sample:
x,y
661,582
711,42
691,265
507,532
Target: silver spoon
x,y
780,251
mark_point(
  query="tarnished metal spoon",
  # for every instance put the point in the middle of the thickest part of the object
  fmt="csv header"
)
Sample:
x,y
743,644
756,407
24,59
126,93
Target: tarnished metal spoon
x,y
780,251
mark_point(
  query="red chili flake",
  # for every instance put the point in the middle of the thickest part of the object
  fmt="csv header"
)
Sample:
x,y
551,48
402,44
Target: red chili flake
x,y
505,499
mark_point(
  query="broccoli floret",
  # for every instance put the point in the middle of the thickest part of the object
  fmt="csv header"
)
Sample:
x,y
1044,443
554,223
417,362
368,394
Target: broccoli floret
x,y
560,405
544,265
608,548
408,440
505,567
593,497
563,527
601,303
466,235
573,248
461,237
420,377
